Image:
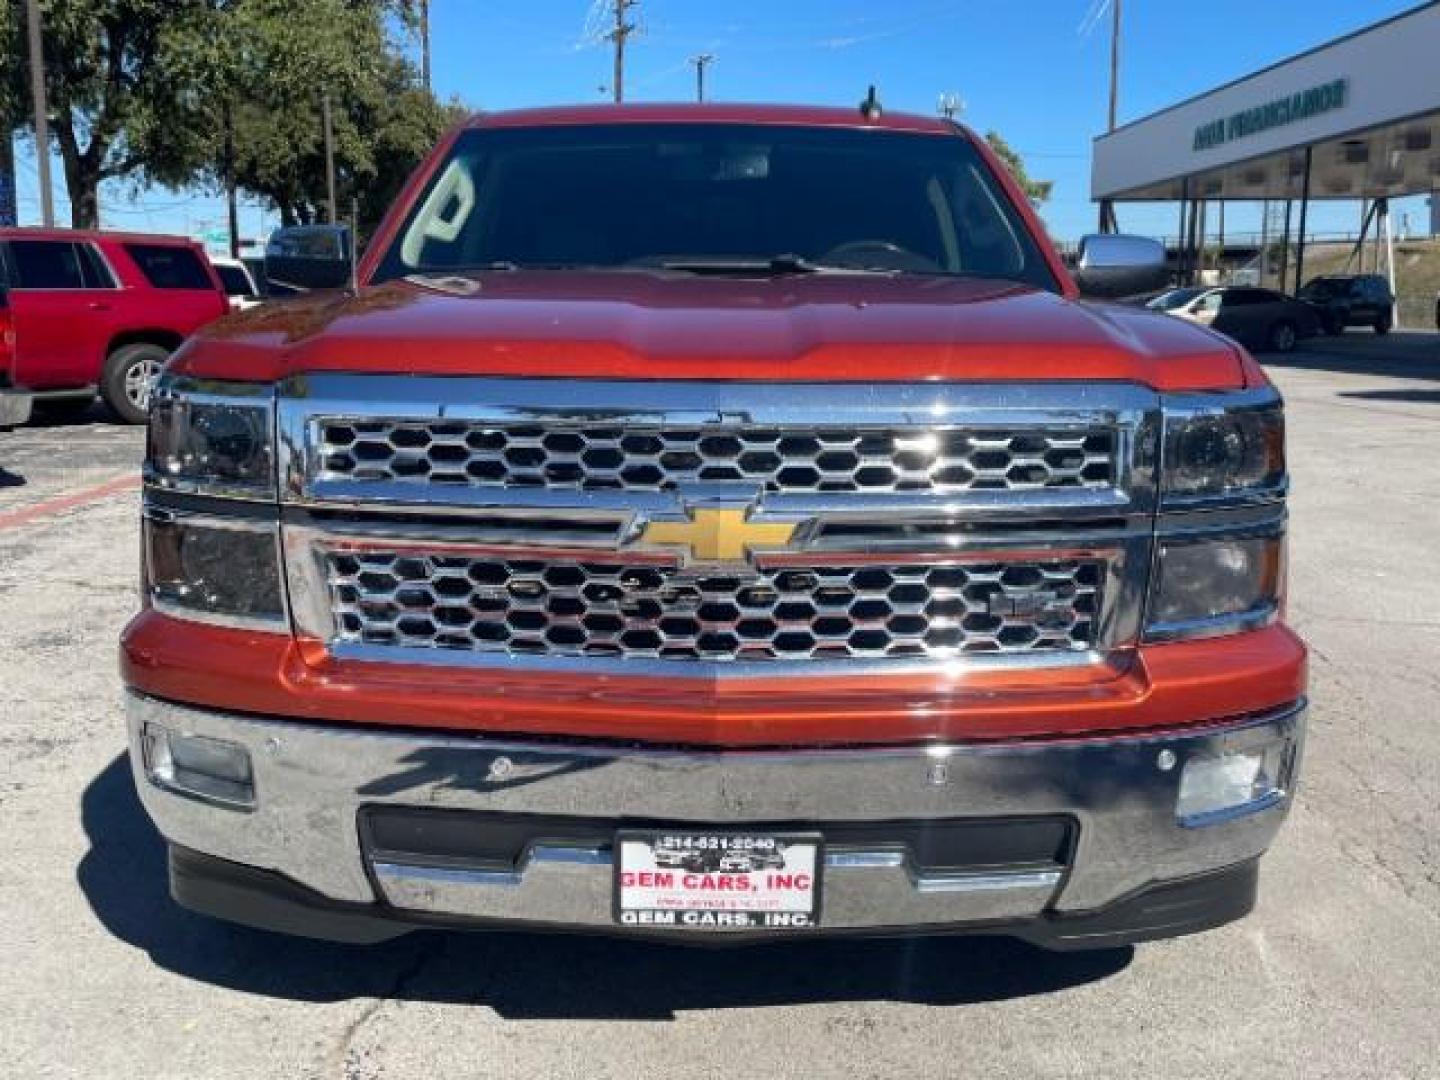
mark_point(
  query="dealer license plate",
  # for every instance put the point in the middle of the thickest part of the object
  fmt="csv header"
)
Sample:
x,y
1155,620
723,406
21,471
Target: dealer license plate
x,y
718,881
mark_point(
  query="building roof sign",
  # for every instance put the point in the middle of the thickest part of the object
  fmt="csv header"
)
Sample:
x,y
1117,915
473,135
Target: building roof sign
x,y
1365,105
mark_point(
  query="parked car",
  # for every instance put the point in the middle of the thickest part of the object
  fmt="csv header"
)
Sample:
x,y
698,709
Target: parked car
x,y
101,311
658,465
1172,299
1260,318
15,400
239,285
307,258
1351,300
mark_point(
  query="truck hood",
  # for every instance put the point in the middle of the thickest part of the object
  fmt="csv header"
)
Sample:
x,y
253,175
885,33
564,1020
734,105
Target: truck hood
x,y
642,325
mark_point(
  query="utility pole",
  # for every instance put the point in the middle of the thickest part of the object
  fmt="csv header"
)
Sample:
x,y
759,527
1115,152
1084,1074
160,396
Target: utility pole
x,y
425,43
1114,60
329,157
1107,208
9,210
700,63
42,112
232,211
618,35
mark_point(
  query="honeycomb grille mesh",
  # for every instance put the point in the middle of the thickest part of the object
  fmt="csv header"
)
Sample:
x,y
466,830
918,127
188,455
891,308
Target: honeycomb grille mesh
x,y
596,609
658,459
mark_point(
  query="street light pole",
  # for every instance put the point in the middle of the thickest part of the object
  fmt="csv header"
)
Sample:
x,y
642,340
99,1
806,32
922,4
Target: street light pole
x,y
42,123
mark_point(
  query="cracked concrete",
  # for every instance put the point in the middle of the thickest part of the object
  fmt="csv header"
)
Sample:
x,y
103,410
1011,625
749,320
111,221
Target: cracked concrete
x,y
1336,975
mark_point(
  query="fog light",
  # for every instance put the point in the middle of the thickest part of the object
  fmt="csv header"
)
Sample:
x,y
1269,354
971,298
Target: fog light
x,y
1219,788
210,769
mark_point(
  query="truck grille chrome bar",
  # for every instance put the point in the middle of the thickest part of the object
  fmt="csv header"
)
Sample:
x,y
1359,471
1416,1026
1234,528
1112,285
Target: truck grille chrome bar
x,y
775,459
716,529
576,608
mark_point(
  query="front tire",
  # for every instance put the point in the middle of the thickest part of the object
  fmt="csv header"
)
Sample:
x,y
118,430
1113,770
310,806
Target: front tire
x,y
130,372
1384,323
1282,337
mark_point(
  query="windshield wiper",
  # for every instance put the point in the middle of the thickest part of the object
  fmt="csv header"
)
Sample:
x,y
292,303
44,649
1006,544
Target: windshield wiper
x,y
775,265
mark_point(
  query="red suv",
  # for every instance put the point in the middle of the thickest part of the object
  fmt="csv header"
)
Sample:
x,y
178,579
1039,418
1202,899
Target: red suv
x,y
87,311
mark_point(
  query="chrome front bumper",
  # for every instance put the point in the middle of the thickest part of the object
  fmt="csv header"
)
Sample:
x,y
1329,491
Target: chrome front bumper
x,y
312,781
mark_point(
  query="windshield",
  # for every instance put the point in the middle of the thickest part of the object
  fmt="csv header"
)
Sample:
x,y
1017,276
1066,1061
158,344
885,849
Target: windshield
x,y
235,280
715,198
1173,299
1326,287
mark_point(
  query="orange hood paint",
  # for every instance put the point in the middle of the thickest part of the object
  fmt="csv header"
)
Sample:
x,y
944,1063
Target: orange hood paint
x,y
642,325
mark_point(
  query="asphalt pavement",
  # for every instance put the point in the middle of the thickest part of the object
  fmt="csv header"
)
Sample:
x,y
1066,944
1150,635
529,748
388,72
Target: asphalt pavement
x,y
1337,974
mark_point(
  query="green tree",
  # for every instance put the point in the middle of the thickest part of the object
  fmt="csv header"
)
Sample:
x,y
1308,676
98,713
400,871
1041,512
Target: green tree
x,y
215,92
1037,191
262,68
109,91
382,128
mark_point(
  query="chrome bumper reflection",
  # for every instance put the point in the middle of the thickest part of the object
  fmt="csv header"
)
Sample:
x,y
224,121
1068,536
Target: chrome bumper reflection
x,y
312,780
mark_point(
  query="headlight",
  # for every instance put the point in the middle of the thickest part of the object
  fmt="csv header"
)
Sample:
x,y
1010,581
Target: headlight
x,y
214,570
1215,585
1223,451
212,438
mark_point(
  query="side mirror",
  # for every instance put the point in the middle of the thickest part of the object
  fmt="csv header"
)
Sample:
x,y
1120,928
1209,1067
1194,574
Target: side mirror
x,y
1113,265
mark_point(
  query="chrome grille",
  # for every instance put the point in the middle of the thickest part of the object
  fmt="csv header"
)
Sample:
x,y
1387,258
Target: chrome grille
x,y
633,458
579,608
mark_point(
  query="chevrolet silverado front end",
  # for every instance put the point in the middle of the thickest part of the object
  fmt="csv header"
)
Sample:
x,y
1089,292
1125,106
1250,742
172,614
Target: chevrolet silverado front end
x,y
715,523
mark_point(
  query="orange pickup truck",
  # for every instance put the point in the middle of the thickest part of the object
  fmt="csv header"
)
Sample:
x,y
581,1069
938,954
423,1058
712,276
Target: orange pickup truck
x,y
717,523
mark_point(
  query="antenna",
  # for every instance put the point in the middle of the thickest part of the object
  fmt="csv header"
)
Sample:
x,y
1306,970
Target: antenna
x,y
950,105
870,107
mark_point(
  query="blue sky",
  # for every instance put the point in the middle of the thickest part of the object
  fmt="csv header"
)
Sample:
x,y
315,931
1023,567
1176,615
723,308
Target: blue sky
x,y
1036,72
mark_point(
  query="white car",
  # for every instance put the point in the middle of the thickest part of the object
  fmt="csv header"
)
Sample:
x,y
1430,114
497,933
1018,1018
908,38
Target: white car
x,y
239,285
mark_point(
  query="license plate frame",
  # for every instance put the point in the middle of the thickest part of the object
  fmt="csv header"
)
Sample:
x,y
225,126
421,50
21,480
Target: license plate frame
x,y
784,880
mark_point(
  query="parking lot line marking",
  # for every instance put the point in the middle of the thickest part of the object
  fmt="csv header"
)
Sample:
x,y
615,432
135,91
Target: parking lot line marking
x,y
58,505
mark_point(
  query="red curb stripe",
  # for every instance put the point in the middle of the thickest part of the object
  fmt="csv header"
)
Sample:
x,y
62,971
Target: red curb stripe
x,y
61,503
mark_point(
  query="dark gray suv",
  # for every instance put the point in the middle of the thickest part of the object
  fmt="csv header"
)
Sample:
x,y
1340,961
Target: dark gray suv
x,y
1351,300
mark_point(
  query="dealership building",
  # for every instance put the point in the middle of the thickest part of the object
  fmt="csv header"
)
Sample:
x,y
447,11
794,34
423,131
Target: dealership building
x,y
1357,118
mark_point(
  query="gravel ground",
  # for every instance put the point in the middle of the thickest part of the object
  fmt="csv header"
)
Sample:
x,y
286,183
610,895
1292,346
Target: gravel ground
x,y
1336,975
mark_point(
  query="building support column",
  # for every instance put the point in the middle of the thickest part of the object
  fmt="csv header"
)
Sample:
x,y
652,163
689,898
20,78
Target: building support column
x,y
1191,246
1180,233
1285,249
1264,242
1383,229
1304,209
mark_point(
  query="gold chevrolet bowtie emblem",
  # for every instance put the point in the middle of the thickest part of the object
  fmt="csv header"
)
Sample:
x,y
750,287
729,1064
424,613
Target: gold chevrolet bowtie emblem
x,y
718,535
